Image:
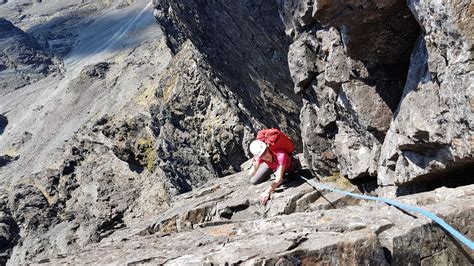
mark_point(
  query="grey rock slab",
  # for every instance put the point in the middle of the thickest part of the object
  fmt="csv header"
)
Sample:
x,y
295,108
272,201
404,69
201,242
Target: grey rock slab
x,y
434,245
332,200
357,151
231,198
355,234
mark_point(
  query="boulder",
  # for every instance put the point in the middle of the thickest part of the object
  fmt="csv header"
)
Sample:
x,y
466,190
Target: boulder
x,y
22,60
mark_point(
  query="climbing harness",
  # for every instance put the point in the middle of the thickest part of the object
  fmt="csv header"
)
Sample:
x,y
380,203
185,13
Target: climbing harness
x,y
405,207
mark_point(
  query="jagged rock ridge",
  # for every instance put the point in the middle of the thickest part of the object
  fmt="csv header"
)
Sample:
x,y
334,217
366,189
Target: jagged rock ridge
x,y
257,74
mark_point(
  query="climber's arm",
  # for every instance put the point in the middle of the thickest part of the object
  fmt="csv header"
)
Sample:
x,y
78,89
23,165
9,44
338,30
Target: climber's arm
x,y
254,168
279,178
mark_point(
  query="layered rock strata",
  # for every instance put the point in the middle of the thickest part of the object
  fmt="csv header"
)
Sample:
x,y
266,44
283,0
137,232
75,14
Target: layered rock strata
x,y
225,223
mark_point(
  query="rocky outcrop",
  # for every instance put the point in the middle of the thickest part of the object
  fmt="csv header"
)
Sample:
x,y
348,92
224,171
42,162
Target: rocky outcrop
x,y
350,89
8,229
224,223
245,45
21,58
199,127
105,182
432,131
365,111
6,159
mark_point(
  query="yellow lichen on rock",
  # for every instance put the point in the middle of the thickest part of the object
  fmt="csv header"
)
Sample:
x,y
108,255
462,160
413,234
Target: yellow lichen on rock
x,y
50,199
169,85
340,181
12,152
147,147
146,97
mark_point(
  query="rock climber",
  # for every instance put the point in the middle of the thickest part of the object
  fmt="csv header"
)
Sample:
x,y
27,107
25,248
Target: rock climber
x,y
272,151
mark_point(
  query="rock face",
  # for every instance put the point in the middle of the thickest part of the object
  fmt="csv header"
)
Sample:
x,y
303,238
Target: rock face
x,y
21,58
432,132
350,89
256,75
369,108
199,127
214,98
224,223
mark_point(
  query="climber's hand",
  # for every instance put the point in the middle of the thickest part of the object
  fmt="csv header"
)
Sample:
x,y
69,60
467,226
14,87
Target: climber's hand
x,y
264,197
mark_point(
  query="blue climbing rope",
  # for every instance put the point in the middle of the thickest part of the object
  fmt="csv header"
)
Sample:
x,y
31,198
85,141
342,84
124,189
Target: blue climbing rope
x,y
406,207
